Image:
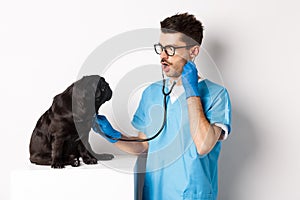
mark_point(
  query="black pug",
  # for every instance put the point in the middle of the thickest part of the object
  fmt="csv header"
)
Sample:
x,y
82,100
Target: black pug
x,y
61,134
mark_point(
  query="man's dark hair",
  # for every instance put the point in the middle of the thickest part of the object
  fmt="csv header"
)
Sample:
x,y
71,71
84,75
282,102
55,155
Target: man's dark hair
x,y
186,24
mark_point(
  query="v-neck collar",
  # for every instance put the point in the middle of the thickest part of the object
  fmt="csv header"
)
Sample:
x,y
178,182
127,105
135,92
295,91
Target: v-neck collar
x,y
177,91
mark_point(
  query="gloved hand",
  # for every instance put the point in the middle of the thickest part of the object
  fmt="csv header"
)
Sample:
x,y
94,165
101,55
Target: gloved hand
x,y
102,126
189,79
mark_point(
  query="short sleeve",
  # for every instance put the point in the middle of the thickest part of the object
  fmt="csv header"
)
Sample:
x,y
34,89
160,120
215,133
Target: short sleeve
x,y
220,110
138,120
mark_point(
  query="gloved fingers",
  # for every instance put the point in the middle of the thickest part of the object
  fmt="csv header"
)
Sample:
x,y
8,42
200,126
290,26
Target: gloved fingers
x,y
189,67
190,79
102,121
104,124
96,124
101,118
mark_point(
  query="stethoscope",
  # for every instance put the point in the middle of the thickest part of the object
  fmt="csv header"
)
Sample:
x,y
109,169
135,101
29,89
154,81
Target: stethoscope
x,y
166,94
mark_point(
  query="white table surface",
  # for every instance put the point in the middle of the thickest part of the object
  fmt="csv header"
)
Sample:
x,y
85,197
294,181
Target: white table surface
x,y
106,180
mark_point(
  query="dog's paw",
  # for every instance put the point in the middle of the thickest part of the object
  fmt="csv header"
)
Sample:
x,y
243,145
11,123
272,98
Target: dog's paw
x,y
105,156
57,165
90,161
75,163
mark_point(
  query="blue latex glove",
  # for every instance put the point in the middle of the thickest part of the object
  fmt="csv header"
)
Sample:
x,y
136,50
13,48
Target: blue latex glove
x,y
102,126
189,79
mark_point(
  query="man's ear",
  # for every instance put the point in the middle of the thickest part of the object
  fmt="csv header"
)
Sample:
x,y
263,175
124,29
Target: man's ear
x,y
194,51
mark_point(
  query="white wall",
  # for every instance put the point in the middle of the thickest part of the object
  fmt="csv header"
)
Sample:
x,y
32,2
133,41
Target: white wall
x,y
254,43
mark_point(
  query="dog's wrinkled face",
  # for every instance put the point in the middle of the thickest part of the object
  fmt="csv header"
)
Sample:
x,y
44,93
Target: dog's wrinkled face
x,y
103,93
89,93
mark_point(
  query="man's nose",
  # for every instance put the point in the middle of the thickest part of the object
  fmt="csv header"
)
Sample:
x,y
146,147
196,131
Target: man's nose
x,y
164,55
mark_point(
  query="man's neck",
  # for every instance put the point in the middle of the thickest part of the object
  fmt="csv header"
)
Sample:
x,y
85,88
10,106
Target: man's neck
x,y
177,79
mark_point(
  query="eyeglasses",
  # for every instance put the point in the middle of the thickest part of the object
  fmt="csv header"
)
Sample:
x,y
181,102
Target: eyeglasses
x,y
169,49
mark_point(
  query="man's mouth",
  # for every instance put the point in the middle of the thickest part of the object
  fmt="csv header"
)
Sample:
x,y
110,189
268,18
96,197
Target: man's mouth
x,y
165,66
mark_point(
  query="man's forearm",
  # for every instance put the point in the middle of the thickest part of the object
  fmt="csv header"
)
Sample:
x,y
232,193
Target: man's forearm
x,y
135,148
203,133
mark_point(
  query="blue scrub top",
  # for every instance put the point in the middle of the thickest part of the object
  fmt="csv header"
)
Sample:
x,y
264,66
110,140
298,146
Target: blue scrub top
x,y
174,169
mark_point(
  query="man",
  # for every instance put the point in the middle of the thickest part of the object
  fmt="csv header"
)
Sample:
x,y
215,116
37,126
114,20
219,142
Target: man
x,y
182,161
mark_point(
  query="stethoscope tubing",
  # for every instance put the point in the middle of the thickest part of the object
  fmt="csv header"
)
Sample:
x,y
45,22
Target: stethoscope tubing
x,y
164,120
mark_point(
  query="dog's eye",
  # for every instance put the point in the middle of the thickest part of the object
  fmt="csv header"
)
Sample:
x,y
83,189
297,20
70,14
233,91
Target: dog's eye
x,y
102,89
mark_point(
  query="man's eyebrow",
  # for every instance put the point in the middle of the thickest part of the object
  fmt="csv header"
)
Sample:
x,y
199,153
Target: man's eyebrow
x,y
168,45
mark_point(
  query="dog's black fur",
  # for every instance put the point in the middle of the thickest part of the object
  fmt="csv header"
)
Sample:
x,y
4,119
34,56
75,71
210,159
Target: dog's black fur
x,y
61,134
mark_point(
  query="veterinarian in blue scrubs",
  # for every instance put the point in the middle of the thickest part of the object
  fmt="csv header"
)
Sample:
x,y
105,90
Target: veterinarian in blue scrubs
x,y
182,162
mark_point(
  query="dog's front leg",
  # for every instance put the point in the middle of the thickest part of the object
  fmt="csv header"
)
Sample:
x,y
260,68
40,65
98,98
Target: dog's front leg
x,y
84,149
57,151
89,156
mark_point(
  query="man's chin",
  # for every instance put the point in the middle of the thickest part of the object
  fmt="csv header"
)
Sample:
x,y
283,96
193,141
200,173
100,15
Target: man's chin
x,y
172,75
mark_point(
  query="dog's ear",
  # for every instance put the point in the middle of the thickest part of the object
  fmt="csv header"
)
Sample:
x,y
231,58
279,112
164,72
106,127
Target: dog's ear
x,y
83,96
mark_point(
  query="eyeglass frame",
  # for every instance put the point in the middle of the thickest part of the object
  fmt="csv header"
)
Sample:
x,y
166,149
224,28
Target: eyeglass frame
x,y
164,48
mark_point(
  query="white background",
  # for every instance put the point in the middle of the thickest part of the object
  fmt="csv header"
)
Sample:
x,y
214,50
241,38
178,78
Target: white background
x,y
254,43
